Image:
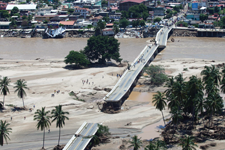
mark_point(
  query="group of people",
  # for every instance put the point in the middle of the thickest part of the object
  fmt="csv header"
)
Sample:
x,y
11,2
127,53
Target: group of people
x,y
86,81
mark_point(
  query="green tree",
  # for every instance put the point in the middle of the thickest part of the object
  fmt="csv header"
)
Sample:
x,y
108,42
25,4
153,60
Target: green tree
x,y
77,58
213,72
195,94
101,136
98,31
157,19
158,2
223,80
102,48
20,87
159,102
182,23
150,146
203,17
4,83
159,145
187,143
14,11
216,9
115,29
124,23
89,27
59,116
157,74
106,19
135,143
29,18
4,14
4,132
43,121
13,22
101,24
70,11
142,23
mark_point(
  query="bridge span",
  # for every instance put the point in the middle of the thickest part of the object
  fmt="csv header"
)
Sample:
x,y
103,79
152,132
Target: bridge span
x,y
130,76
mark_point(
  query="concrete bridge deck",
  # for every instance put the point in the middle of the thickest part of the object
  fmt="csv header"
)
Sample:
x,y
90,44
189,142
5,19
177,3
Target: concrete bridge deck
x,y
145,57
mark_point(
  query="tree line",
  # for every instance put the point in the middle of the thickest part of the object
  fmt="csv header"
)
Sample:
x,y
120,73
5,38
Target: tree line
x,y
99,49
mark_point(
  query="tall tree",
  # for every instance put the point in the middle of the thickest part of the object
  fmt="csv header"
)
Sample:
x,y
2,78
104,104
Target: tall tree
x,y
187,143
159,102
43,121
135,142
20,87
223,80
14,10
4,83
77,58
150,146
59,116
213,72
124,23
4,132
102,48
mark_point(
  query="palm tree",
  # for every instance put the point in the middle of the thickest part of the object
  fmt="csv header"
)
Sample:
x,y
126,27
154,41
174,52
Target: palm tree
x,y
223,80
135,142
4,132
59,116
43,121
20,87
159,102
4,83
159,145
150,146
212,72
187,143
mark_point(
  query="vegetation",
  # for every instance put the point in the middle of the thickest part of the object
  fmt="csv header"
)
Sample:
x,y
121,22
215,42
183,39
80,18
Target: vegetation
x,y
102,49
4,83
157,19
59,116
77,58
101,136
124,23
4,132
157,74
136,11
195,99
20,87
187,143
182,24
160,103
14,11
135,142
43,120
4,14
203,17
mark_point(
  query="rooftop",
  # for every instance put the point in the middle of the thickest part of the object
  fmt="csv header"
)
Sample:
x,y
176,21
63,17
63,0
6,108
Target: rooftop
x,y
70,23
133,1
22,6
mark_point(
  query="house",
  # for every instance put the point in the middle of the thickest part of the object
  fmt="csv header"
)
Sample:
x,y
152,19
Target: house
x,y
107,32
45,17
193,16
109,25
126,4
159,11
95,20
67,24
4,25
2,5
82,11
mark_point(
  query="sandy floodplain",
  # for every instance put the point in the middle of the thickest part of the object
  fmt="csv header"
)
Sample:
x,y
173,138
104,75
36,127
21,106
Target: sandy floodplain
x,y
45,76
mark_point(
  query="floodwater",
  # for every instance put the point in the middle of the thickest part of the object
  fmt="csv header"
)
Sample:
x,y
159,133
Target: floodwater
x,y
141,96
187,47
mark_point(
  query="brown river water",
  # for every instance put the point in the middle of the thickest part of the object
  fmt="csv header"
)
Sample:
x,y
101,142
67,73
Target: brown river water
x,y
187,47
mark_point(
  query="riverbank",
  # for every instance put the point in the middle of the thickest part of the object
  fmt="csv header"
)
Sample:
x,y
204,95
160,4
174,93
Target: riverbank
x,y
45,76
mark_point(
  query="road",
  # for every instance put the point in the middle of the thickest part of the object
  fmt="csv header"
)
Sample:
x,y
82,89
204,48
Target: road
x,y
129,76
80,143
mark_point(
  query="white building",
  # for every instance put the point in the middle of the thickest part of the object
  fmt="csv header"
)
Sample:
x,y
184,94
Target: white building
x,y
22,7
108,32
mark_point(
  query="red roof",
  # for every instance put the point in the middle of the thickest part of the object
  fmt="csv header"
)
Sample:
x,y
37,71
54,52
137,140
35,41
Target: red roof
x,y
70,23
133,1
109,24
